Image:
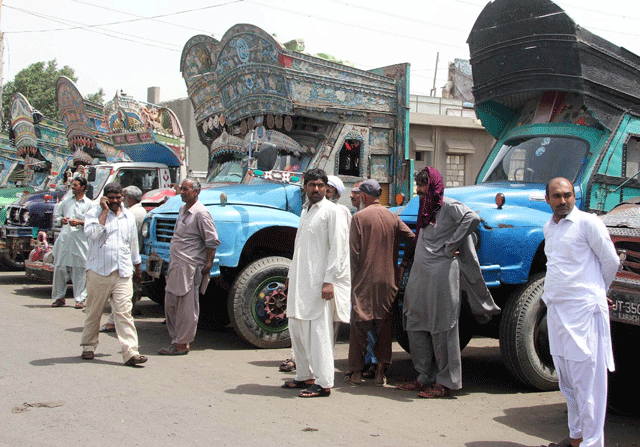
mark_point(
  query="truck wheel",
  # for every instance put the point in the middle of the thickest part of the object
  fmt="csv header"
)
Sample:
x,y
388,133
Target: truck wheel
x,y
524,337
155,290
15,263
257,309
623,396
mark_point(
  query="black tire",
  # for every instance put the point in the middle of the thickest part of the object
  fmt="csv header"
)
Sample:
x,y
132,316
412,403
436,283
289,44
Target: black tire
x,y
213,306
623,396
155,290
524,337
466,326
256,308
15,264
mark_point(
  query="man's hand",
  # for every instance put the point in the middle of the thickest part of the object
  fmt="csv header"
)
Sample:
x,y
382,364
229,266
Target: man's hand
x,y
327,291
206,270
137,273
64,221
104,203
75,222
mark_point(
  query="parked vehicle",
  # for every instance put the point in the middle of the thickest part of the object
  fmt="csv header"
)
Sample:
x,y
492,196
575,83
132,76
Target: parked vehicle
x,y
560,101
623,223
41,154
267,114
127,142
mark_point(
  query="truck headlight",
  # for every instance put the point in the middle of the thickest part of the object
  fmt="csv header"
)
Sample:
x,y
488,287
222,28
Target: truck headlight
x,y
24,217
145,230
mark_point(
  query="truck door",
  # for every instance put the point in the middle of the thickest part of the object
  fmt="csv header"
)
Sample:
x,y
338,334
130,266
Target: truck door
x,y
618,177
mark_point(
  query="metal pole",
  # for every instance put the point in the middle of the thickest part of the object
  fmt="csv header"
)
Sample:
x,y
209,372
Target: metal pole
x,y
435,73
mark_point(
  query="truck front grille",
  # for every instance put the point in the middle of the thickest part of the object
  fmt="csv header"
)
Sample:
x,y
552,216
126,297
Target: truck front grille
x,y
164,229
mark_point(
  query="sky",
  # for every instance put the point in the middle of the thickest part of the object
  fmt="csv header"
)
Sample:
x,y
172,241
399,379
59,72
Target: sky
x,y
131,45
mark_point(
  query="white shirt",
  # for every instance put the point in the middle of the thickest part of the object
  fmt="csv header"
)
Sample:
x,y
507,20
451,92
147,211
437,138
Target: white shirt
x,y
581,265
321,255
71,244
114,245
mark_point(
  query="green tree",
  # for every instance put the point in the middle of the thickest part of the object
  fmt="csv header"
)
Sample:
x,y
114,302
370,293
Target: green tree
x,y
37,83
97,97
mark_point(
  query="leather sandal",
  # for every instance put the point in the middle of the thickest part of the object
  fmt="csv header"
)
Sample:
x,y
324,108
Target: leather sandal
x,y
87,355
316,391
287,365
136,360
293,384
60,302
435,391
413,386
568,442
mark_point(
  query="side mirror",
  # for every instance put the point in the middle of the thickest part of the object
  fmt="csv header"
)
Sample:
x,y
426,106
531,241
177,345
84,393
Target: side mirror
x,y
91,175
89,191
267,155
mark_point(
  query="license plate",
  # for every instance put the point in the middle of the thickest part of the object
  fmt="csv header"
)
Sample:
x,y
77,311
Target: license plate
x,y
626,307
154,268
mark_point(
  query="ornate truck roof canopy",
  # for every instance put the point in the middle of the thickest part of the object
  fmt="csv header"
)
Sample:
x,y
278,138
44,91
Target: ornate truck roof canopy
x,y
123,129
522,49
248,79
145,132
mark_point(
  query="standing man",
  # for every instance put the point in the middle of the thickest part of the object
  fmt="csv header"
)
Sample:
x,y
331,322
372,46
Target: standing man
x,y
432,299
374,244
581,265
70,249
193,248
318,287
113,256
131,196
355,198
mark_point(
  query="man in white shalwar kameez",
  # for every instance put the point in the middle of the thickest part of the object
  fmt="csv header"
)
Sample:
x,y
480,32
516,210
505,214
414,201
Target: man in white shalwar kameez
x,y
319,287
581,265
71,247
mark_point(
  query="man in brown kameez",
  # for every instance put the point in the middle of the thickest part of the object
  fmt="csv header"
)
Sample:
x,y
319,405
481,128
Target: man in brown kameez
x,y
374,243
193,248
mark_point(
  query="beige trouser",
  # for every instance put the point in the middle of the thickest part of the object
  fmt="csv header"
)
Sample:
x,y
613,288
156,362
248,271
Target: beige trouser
x,y
117,291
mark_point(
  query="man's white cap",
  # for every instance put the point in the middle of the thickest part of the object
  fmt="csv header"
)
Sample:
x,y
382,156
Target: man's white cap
x,y
336,183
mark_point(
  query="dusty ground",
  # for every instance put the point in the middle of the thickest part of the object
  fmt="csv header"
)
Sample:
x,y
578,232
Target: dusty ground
x,y
226,393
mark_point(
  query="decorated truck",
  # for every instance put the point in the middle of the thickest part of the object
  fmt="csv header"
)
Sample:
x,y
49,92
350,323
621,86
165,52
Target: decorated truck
x,y
124,142
560,102
623,223
41,149
268,114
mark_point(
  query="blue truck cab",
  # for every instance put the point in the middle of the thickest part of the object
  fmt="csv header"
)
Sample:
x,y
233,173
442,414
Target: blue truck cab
x,y
268,113
560,102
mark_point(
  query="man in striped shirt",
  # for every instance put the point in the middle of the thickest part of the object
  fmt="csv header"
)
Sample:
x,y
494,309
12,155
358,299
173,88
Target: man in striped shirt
x,y
113,258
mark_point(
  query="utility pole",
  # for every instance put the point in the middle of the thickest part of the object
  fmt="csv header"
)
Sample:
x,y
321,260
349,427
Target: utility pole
x,y
435,74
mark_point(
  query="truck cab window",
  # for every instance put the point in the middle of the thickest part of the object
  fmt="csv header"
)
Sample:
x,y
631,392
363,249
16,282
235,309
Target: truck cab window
x,y
632,156
349,162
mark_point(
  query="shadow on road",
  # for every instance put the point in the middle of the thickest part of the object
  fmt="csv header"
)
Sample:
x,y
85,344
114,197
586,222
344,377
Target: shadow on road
x,y
72,360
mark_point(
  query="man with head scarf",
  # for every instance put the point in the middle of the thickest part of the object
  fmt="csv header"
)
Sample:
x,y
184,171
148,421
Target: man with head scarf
x,y
432,298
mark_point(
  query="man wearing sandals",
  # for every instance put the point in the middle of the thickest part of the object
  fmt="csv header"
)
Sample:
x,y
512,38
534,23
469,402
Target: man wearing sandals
x,y
374,243
113,256
193,249
70,250
581,265
432,298
318,287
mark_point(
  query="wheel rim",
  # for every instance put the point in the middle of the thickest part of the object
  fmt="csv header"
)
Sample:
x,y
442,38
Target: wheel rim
x,y
541,340
269,305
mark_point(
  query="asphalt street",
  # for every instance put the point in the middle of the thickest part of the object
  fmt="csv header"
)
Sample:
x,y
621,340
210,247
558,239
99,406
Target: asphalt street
x,y
226,393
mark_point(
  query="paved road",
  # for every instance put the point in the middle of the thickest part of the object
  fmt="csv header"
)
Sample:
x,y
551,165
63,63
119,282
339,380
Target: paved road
x,y
225,393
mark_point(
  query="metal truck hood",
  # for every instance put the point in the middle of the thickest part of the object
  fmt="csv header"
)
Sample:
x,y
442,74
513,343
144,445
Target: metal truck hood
x,y
269,194
524,206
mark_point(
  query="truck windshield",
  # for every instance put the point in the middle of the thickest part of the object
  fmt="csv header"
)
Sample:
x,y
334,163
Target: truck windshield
x,y
102,173
537,160
291,161
227,172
